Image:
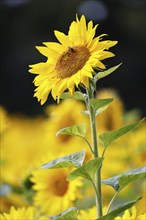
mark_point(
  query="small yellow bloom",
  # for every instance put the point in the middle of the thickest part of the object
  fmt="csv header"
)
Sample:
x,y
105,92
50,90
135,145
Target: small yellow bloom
x,y
131,215
89,214
128,214
71,61
23,213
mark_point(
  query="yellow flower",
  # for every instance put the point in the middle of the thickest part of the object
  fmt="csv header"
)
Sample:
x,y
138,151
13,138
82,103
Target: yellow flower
x,y
4,120
128,215
131,215
12,199
89,214
22,214
53,193
113,117
71,61
19,145
67,113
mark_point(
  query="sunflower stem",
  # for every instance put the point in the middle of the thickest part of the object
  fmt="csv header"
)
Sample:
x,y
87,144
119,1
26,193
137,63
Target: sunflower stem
x,y
97,183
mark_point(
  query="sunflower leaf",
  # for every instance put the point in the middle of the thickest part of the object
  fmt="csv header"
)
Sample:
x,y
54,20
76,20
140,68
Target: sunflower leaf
x,y
120,181
87,170
77,130
108,137
70,214
99,103
105,73
114,213
75,159
76,96
100,110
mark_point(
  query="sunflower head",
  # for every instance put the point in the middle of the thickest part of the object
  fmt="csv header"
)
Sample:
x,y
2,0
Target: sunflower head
x,y
22,213
53,186
71,61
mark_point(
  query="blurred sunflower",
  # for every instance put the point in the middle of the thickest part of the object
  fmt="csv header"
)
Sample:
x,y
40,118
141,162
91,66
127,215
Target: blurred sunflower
x,y
19,138
113,117
89,213
22,214
71,61
128,214
11,199
131,215
61,116
4,120
53,193
67,113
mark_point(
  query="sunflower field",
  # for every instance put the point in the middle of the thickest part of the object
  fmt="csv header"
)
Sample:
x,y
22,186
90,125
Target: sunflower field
x,y
27,143
56,165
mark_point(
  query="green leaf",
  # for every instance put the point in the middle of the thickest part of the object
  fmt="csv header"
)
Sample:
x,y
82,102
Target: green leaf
x,y
99,103
105,73
114,213
76,96
75,159
87,170
69,214
120,181
77,130
125,180
108,137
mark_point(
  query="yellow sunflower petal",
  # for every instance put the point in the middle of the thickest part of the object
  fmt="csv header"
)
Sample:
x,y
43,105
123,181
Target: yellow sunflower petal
x,y
42,50
90,26
62,38
50,53
38,68
58,88
55,46
83,25
70,85
106,54
85,81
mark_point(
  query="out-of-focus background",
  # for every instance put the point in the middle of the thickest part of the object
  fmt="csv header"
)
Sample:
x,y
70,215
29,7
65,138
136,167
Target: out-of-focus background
x,y
27,142
27,23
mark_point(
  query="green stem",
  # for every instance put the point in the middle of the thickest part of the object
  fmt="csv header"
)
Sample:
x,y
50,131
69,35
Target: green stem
x,y
89,145
97,183
96,192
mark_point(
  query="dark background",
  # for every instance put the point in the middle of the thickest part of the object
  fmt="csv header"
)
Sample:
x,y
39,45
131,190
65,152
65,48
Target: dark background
x,y
27,23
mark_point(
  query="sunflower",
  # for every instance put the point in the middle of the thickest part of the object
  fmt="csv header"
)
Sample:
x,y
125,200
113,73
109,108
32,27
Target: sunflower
x,y
23,213
132,215
70,62
113,117
5,121
66,114
53,193
89,213
128,214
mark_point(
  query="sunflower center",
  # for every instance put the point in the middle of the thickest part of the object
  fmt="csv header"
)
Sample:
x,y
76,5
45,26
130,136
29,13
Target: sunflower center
x,y
60,185
71,61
